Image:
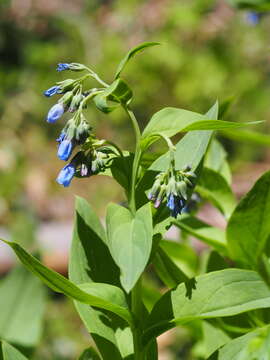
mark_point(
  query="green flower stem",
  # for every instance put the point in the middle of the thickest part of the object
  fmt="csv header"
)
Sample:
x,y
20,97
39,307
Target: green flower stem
x,y
96,77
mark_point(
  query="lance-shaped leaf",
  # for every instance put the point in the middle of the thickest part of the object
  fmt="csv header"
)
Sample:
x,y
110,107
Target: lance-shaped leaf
x,y
190,149
220,293
10,353
129,241
103,296
170,121
130,54
22,304
118,93
249,227
254,345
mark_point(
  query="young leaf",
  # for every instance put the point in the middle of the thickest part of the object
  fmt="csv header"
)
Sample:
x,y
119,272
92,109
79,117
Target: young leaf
x,y
10,353
210,235
170,121
22,304
118,92
190,149
215,188
221,293
249,228
130,54
129,241
254,345
103,296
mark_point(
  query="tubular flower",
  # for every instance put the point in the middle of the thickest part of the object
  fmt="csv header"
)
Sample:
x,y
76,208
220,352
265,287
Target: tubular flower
x,y
55,113
65,149
62,67
66,175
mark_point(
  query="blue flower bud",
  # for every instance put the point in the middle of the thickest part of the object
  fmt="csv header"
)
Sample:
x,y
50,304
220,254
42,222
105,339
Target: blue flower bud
x,y
253,18
55,113
66,174
65,149
176,204
62,67
52,91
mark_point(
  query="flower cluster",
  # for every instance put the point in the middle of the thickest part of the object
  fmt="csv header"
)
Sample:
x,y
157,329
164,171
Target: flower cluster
x,y
93,156
172,186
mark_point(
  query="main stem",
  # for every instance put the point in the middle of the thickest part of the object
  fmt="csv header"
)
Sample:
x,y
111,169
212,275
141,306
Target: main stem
x,y
136,302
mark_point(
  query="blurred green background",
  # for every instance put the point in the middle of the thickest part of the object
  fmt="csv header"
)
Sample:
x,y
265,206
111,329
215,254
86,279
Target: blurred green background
x,y
209,51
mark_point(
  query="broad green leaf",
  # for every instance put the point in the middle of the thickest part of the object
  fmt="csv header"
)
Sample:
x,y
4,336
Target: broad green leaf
x,y
90,260
250,137
89,354
215,188
130,241
170,121
124,341
190,149
11,353
254,345
216,159
210,235
22,304
104,296
248,229
220,293
130,54
118,93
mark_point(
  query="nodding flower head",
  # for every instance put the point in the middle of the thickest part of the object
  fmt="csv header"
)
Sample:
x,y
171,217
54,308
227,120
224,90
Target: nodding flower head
x,y
62,67
55,113
52,91
66,175
176,204
65,148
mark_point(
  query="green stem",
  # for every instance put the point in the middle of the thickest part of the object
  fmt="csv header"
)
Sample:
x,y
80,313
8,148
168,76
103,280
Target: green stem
x,y
136,307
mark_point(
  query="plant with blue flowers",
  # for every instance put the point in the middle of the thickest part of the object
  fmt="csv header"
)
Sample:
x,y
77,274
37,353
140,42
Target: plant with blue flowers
x,y
227,299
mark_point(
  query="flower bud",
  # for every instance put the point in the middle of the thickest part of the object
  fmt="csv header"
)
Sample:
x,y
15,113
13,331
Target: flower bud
x,y
65,149
182,189
52,91
55,113
75,102
62,67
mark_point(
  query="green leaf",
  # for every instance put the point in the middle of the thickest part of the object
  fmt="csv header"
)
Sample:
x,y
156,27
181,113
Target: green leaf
x,y
22,304
99,295
167,270
216,159
118,93
249,228
213,338
170,121
129,241
130,54
215,188
90,260
190,149
254,345
250,137
210,235
221,293
89,354
11,353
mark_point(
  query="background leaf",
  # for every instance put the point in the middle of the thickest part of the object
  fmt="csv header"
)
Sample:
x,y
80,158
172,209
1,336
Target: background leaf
x,y
249,228
22,304
11,353
130,241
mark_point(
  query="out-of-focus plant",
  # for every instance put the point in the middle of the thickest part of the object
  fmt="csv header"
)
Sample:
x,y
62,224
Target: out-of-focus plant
x,y
228,301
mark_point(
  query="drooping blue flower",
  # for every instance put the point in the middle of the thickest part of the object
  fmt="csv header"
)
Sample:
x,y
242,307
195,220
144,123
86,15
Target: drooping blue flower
x,y
55,113
61,137
65,149
176,204
66,174
52,91
62,67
